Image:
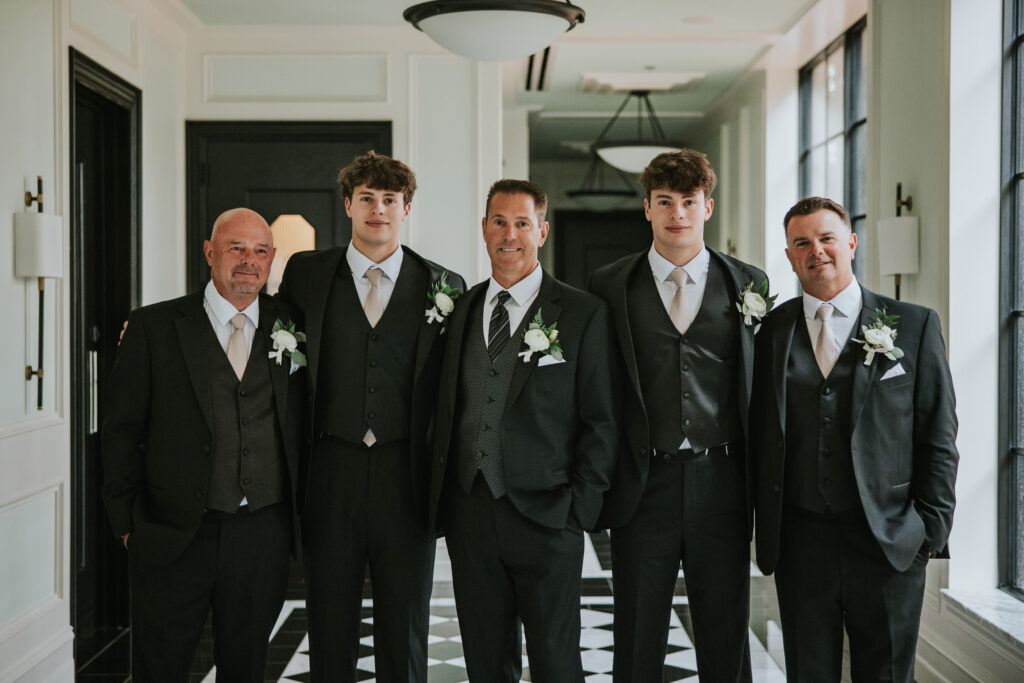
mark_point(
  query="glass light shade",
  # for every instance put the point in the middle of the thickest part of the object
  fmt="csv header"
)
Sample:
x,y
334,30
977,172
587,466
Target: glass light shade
x,y
494,35
898,245
631,157
38,245
292,234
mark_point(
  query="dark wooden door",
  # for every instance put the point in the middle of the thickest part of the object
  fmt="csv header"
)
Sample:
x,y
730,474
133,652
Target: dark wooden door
x,y
273,168
587,240
104,236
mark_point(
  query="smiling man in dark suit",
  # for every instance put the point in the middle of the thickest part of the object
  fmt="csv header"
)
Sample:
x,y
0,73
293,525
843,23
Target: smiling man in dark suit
x,y
854,432
680,493
374,348
526,442
201,447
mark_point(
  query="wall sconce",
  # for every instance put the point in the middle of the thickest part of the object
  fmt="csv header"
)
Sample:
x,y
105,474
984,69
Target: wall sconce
x,y
38,253
898,241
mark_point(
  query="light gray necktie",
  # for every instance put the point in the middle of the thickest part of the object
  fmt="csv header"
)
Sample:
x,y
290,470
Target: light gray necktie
x,y
679,310
374,306
825,348
374,310
238,352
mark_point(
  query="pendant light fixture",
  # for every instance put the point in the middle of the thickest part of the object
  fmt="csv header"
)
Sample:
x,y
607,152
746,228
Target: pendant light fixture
x,y
594,196
494,30
633,154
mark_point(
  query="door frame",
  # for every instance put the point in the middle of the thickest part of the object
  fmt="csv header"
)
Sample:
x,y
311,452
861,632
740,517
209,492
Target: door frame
x,y
86,72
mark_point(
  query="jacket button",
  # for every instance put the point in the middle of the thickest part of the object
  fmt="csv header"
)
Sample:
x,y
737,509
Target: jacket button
x,y
373,363
372,389
643,451
492,373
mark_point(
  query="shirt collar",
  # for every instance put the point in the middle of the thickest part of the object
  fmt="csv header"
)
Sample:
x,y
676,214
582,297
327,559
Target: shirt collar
x,y
224,310
847,303
522,291
359,263
694,268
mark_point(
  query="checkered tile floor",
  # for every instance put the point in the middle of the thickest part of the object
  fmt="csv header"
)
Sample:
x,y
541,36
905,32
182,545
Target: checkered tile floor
x,y
289,660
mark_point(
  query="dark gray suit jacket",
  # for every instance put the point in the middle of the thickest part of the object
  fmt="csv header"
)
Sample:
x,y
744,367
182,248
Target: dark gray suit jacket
x,y
610,282
157,434
559,431
903,432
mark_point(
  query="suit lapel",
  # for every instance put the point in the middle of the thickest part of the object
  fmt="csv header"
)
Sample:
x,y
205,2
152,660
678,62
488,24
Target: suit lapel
x,y
192,327
461,317
783,328
548,303
738,280
320,279
617,286
863,375
428,332
278,373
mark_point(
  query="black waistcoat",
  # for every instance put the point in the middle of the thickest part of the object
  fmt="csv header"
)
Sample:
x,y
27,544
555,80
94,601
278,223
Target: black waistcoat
x,y
483,390
689,381
247,453
819,467
366,374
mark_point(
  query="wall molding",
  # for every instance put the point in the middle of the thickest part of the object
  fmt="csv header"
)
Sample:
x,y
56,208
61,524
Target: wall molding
x,y
322,77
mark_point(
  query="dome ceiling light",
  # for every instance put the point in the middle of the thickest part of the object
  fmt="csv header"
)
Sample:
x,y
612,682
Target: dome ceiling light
x,y
494,30
594,196
632,155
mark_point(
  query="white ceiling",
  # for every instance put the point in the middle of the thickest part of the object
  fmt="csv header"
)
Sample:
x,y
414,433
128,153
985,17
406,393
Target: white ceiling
x,y
718,39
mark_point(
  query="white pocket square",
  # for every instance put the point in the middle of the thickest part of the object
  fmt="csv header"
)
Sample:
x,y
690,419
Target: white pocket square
x,y
894,371
548,360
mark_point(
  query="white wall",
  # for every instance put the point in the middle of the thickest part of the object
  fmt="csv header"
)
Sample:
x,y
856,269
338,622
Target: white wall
x,y
446,111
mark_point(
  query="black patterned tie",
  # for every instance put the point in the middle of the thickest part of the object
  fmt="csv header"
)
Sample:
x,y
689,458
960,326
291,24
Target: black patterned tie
x,y
497,335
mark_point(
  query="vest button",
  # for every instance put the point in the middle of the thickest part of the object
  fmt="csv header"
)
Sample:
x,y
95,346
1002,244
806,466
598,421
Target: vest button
x,y
492,373
372,389
246,482
373,336
245,452
686,394
686,422
826,421
245,421
827,481
373,363
828,390
685,368
370,415
241,392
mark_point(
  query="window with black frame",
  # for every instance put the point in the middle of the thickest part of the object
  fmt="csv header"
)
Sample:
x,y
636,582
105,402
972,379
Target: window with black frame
x,y
1011,356
833,127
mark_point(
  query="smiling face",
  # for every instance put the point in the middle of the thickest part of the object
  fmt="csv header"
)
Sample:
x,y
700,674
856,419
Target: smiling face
x,y
677,222
821,248
239,253
513,233
377,217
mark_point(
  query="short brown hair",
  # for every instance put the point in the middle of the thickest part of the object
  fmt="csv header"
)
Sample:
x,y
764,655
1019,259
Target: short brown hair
x,y
809,205
378,172
684,171
511,186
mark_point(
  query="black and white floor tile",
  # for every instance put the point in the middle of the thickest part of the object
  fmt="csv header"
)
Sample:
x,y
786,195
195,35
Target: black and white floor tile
x,y
289,660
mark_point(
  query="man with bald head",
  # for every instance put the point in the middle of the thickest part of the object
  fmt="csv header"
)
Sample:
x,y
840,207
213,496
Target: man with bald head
x,y
200,453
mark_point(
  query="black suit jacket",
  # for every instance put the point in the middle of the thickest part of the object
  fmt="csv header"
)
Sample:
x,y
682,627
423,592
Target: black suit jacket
x,y
559,430
610,282
903,432
157,434
306,285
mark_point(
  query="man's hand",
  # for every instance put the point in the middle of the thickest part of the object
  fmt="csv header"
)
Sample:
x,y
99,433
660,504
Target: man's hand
x,y
124,539
121,336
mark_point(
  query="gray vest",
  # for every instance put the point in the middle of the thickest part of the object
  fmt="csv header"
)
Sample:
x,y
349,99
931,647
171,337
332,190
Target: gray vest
x,y
247,453
689,381
819,466
483,389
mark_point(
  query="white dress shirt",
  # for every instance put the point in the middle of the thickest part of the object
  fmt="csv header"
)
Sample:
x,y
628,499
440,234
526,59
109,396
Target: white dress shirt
x,y
221,311
523,293
847,305
358,264
696,279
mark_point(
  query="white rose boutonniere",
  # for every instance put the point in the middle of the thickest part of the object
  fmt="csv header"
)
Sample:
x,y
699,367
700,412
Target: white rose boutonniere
x,y
880,337
286,343
755,303
441,298
541,339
